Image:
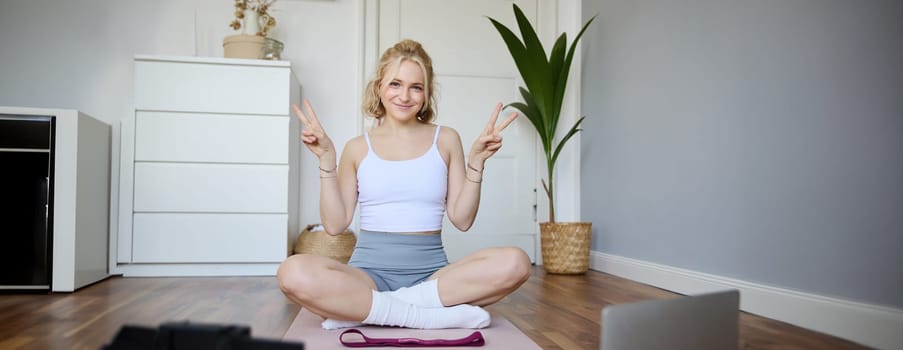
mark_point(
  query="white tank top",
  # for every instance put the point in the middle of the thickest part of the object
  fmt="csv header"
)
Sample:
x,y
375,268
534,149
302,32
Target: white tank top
x,y
403,195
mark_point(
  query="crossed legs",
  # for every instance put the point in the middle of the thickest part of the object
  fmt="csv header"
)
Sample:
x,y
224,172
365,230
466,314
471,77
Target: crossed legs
x,y
338,291
483,277
326,287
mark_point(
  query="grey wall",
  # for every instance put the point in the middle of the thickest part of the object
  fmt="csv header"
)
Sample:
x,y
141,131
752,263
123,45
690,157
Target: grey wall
x,y
758,140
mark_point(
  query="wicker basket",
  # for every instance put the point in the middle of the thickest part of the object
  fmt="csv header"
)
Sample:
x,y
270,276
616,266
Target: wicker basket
x,y
338,247
565,246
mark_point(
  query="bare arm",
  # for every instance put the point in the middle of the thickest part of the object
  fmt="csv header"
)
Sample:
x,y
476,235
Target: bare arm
x,y
338,194
463,196
338,182
465,177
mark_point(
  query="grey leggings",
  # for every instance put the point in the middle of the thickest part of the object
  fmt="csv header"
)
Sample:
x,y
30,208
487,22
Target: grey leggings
x,y
398,260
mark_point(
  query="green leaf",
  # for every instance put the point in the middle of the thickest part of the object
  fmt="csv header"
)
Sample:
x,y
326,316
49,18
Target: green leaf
x,y
566,68
529,109
531,70
515,46
546,135
531,117
571,133
556,61
531,40
540,80
556,58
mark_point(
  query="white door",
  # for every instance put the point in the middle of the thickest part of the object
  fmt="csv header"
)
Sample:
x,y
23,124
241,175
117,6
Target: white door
x,y
474,71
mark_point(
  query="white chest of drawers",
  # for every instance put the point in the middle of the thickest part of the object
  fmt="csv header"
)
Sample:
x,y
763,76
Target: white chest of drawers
x,y
209,168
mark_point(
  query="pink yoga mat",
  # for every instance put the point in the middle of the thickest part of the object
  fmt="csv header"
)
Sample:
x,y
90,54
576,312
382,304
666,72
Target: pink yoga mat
x,y
501,334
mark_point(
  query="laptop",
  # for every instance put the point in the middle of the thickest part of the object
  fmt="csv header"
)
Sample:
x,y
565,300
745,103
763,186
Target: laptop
x,y
698,322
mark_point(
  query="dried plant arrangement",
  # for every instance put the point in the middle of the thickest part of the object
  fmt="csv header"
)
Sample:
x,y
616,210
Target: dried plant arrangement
x,y
256,11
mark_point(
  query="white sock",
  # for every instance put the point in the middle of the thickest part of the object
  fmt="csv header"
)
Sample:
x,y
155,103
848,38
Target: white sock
x,y
386,310
337,324
425,294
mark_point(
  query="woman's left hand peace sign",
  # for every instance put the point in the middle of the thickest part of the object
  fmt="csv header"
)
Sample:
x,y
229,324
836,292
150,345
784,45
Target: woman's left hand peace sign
x,y
490,140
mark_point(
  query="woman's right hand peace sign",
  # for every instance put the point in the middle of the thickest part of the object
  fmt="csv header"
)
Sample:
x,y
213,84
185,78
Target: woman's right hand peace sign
x,y
312,134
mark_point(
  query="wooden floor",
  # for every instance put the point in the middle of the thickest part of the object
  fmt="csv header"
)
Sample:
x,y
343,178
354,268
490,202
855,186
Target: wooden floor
x,y
557,312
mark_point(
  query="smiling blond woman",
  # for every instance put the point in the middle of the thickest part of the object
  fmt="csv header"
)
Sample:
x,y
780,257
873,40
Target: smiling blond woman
x,y
407,174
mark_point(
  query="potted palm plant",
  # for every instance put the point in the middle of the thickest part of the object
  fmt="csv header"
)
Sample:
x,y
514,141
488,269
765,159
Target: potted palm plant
x,y
565,245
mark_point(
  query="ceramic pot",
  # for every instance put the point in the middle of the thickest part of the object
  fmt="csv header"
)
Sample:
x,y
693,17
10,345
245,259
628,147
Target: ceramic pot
x,y
243,46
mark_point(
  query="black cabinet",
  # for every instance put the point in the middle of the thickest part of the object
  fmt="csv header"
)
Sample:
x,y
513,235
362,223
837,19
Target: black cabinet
x,y
26,195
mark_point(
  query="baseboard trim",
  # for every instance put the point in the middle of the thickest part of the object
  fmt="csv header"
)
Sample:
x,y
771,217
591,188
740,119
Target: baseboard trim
x,y
196,270
867,324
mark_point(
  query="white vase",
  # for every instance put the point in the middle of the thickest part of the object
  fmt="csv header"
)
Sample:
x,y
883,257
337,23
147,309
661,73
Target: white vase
x,y
251,22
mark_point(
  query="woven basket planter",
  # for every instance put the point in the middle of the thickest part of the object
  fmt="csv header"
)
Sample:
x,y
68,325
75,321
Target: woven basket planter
x,y
338,247
565,247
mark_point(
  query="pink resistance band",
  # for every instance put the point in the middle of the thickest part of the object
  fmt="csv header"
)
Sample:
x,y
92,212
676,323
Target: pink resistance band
x,y
474,339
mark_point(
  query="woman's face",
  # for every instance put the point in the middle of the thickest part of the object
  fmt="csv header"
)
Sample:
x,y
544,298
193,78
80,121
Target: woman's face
x,y
404,95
